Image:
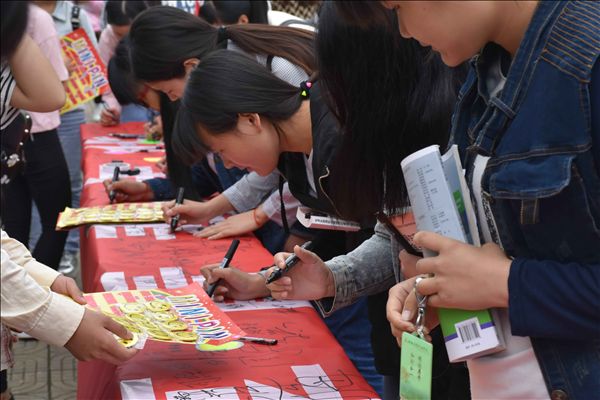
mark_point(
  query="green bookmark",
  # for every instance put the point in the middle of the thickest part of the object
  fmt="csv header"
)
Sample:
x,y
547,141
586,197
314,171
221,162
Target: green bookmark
x,y
415,368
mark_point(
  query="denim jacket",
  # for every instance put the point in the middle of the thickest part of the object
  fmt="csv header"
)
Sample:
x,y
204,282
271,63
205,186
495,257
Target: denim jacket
x,y
353,280
542,182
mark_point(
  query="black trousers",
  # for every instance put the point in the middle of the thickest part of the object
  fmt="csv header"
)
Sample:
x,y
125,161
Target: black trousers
x,y
3,380
44,180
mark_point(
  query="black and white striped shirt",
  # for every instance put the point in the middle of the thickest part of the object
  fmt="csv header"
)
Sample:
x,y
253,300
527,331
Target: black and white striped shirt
x,y
7,86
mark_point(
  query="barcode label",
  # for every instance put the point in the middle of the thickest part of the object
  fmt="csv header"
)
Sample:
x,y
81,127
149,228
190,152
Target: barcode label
x,y
468,330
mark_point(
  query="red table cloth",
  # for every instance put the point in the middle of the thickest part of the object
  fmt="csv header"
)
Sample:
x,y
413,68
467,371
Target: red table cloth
x,y
307,363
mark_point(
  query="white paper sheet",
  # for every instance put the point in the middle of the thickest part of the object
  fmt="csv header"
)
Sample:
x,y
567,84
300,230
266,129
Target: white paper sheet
x,y
105,231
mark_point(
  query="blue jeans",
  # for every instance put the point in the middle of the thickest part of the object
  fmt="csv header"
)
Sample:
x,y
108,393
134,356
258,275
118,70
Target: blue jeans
x,y
70,139
134,113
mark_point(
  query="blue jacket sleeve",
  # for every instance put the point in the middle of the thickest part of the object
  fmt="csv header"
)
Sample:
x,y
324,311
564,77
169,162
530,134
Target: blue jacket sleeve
x,y
205,180
162,189
552,300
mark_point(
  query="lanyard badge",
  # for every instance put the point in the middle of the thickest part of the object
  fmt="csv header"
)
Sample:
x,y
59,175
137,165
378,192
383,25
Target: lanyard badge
x,y
416,357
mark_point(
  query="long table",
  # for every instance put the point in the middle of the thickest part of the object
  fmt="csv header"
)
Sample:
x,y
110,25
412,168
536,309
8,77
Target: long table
x,y
307,363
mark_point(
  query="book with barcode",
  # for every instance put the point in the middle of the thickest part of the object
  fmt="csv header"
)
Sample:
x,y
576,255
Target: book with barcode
x,y
441,203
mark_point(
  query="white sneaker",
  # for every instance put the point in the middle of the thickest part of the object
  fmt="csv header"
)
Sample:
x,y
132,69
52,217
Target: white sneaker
x,y
67,263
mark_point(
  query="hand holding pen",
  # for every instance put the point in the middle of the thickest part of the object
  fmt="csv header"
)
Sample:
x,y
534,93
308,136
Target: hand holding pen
x,y
109,116
178,201
210,290
234,283
115,178
289,264
309,279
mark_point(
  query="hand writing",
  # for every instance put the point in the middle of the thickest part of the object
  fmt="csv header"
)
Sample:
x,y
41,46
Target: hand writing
x,y
310,279
129,190
235,284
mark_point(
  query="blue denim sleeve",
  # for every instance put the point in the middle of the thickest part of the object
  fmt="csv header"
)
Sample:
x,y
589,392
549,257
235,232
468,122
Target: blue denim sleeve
x,y
554,300
162,189
595,106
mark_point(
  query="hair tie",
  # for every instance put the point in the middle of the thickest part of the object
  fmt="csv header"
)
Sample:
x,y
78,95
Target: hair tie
x,y
305,89
222,34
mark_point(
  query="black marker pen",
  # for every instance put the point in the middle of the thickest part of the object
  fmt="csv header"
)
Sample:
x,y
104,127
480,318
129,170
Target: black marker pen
x,y
289,263
178,201
258,340
112,194
224,264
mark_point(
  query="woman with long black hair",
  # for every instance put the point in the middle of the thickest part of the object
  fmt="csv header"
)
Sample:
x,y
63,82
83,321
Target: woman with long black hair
x,y
199,181
166,43
391,97
235,107
163,66
129,90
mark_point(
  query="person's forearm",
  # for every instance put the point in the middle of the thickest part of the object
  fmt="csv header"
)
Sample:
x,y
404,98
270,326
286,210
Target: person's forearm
x,y
249,192
18,253
31,308
260,217
367,270
38,87
217,206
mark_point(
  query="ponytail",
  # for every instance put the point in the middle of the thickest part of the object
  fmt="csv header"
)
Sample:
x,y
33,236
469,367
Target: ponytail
x,y
163,37
293,44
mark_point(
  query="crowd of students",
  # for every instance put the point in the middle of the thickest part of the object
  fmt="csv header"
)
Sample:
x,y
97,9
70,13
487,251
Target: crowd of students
x,y
273,112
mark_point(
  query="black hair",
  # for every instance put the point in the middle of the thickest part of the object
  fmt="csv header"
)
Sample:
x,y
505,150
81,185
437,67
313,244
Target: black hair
x,y
14,24
229,11
163,37
391,97
122,83
223,85
208,13
125,89
123,12
362,14
180,173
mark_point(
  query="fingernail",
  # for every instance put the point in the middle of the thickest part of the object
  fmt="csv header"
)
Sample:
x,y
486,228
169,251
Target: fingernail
x,y
406,315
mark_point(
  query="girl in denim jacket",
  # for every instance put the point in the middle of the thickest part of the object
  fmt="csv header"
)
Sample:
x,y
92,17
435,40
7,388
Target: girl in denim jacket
x,y
528,127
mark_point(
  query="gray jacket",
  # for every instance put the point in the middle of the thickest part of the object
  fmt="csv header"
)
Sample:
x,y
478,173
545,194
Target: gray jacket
x,y
369,269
